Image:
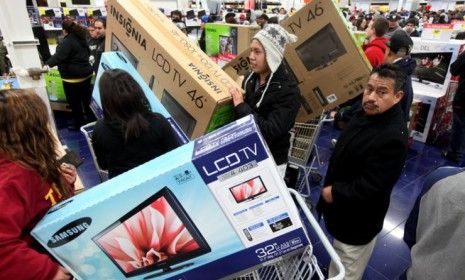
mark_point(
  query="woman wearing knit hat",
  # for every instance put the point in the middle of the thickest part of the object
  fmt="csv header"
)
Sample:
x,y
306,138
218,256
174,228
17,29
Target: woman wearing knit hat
x,y
271,92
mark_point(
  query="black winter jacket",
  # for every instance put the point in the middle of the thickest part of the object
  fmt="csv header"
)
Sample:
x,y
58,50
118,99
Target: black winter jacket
x,y
277,112
407,64
96,47
366,163
72,58
116,156
458,68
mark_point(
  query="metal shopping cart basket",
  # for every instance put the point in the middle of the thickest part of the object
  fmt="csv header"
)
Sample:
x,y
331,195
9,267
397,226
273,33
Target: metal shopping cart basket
x,y
87,131
303,152
303,266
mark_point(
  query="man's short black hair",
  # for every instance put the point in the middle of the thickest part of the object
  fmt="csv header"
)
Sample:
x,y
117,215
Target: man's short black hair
x,y
103,21
460,35
412,21
229,15
391,71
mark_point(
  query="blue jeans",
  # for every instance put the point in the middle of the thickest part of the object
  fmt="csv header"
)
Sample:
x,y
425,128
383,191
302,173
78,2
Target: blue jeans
x,y
457,138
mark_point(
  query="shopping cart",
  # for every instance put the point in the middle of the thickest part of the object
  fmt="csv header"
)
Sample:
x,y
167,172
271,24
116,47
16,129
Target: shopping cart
x,y
303,152
303,266
87,131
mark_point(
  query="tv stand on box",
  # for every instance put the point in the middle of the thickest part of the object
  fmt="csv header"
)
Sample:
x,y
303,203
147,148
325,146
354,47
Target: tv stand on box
x,y
167,270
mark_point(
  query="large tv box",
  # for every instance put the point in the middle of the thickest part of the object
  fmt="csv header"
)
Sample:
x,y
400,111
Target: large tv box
x,y
212,208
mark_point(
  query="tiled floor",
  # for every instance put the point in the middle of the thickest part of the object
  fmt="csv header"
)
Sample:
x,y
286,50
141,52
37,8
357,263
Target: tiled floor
x,y
391,256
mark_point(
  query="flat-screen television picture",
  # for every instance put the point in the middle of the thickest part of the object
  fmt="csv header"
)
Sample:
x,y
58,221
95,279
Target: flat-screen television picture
x,y
322,49
156,236
431,67
117,45
184,119
248,190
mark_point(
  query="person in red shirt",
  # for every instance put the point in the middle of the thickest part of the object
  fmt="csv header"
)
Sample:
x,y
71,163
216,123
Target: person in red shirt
x,y
375,45
31,181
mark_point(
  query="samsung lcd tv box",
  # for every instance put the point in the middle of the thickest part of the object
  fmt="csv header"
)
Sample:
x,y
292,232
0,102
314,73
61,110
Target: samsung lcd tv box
x,y
326,60
186,81
117,60
213,208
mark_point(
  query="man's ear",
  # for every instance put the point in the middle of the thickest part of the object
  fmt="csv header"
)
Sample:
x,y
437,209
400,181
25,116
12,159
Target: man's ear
x,y
399,94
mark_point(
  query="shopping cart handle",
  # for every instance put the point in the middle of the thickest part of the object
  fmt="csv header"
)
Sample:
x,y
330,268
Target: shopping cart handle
x,y
329,248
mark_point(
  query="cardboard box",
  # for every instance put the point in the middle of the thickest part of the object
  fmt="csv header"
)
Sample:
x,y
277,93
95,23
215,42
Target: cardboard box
x,y
431,82
224,41
212,208
117,60
54,85
326,60
190,86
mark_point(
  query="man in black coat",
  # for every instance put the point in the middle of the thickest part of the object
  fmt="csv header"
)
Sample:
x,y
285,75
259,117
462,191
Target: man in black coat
x,y
97,45
366,163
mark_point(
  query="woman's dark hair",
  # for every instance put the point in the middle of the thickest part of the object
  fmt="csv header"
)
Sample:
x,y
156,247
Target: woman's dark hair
x,y
124,103
74,28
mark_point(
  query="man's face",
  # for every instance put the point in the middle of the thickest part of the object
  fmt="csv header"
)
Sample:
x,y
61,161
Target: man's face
x,y
99,29
257,58
409,27
393,23
92,32
175,17
370,30
380,95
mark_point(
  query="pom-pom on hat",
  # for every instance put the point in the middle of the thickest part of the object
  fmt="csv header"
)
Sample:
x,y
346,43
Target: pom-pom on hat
x,y
274,39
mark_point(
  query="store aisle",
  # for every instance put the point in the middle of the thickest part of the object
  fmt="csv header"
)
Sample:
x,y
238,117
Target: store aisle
x,y
390,257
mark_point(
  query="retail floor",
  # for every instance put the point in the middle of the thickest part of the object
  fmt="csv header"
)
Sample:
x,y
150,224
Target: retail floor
x,y
390,257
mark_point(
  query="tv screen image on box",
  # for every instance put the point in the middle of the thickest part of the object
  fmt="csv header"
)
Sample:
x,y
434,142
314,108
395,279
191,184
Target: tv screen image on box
x,y
184,119
117,45
431,67
227,45
248,189
322,49
156,235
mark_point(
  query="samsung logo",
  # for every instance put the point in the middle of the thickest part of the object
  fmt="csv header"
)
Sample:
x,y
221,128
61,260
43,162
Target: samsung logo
x,y
69,232
231,160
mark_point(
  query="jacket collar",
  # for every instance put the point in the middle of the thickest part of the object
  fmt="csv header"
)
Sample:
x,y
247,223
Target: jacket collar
x,y
393,113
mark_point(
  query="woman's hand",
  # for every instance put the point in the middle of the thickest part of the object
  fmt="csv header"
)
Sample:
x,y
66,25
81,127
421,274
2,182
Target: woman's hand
x,y
69,173
62,274
237,95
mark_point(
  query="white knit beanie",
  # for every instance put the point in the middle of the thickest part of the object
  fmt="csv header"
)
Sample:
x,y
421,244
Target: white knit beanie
x,y
274,39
